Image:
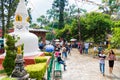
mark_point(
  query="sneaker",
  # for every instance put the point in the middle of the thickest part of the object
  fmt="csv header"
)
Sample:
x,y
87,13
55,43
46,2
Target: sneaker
x,y
64,69
103,74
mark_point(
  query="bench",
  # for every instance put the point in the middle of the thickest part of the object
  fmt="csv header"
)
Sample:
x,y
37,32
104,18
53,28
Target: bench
x,y
57,70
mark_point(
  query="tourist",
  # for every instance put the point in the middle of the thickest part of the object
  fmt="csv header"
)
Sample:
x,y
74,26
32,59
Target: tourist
x,y
81,48
57,46
94,51
79,45
59,59
64,52
99,49
111,58
57,52
86,45
69,48
102,61
41,46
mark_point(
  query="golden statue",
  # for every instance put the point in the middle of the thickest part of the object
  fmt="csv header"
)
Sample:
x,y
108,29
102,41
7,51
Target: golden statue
x,y
19,51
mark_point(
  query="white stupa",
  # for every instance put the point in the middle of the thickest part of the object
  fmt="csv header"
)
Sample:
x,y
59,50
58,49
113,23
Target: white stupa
x,y
21,26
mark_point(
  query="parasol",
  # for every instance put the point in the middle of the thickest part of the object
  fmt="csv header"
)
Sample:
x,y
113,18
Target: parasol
x,y
49,48
56,40
73,39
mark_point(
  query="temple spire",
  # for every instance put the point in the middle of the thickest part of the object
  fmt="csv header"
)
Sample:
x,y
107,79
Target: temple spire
x,y
21,22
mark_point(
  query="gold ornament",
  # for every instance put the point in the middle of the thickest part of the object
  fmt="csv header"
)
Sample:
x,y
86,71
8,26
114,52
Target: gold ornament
x,y
28,19
18,18
19,49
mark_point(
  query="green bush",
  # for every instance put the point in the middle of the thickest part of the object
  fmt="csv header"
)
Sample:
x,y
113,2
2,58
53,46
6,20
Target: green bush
x,y
7,78
40,59
2,71
48,54
9,61
36,71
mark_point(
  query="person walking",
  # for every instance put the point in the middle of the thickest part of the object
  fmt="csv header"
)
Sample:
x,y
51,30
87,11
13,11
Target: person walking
x,y
111,58
99,49
69,48
80,49
64,52
94,51
79,45
102,62
86,47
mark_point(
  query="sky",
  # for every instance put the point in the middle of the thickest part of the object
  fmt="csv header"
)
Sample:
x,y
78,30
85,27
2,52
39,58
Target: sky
x,y
39,7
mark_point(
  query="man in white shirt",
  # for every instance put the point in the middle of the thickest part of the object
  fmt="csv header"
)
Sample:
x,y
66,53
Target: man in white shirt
x,y
86,47
102,57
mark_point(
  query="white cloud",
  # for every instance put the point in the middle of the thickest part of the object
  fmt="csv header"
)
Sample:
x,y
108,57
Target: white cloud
x,y
39,7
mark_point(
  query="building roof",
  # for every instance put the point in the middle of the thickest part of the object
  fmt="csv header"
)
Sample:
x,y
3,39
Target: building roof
x,y
41,30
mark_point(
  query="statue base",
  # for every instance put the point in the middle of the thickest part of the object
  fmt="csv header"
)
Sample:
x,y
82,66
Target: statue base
x,y
26,77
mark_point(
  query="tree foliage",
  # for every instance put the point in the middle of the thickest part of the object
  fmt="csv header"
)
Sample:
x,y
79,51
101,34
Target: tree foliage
x,y
115,40
7,10
98,26
64,33
93,27
112,7
9,61
42,20
59,6
116,37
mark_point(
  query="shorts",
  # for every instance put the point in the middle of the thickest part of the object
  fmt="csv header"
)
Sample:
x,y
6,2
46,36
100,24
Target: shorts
x,y
111,63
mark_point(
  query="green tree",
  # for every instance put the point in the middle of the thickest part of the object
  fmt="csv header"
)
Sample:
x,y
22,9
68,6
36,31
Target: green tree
x,y
94,26
7,10
116,37
115,40
2,18
59,5
34,25
99,26
112,7
64,33
52,14
42,20
70,14
9,61
83,29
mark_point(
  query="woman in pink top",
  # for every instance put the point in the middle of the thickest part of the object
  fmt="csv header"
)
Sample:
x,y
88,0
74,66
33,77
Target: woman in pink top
x,y
111,58
57,53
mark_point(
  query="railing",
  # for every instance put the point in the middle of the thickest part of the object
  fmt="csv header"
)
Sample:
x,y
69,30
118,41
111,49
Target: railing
x,y
49,69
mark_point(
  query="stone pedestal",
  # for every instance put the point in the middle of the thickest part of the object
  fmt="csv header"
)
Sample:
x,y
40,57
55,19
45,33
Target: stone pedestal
x,y
19,72
26,77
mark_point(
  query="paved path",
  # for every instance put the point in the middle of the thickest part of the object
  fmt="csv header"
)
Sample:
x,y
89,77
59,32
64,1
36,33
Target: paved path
x,y
84,67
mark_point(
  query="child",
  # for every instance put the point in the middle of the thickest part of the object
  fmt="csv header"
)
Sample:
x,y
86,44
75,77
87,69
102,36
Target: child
x,y
59,59
57,52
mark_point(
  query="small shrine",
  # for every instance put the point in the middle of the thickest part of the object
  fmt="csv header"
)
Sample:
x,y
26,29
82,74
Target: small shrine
x,y
19,72
21,30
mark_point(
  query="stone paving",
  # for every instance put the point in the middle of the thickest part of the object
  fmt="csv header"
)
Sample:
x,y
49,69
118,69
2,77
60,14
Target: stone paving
x,y
85,67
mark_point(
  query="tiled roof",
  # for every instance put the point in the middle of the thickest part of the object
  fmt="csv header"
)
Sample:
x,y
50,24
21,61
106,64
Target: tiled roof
x,y
41,30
